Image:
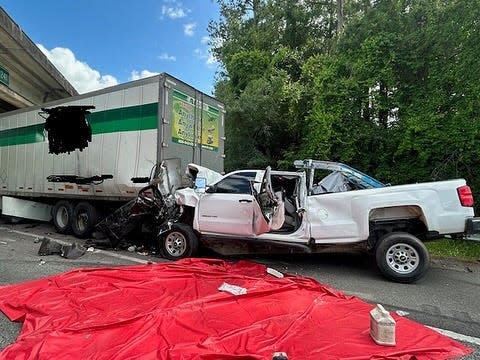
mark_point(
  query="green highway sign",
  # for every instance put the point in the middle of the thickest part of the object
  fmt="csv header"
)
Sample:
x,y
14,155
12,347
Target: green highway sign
x,y
4,76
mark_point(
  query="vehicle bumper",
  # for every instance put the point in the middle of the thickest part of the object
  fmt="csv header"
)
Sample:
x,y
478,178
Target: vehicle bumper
x,y
472,226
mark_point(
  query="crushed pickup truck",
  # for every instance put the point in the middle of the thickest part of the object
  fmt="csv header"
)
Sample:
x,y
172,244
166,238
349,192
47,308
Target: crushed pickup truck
x,y
248,210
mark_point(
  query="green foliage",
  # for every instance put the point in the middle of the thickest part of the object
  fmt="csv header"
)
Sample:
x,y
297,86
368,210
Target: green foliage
x,y
396,93
460,249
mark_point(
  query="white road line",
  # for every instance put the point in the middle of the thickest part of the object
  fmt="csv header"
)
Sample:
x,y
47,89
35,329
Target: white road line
x,y
456,336
97,251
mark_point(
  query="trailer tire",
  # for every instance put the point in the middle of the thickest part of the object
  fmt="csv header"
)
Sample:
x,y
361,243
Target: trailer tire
x,y
85,217
62,215
179,242
402,257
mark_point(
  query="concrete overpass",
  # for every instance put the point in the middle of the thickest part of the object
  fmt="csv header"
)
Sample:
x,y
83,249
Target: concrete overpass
x,y
27,77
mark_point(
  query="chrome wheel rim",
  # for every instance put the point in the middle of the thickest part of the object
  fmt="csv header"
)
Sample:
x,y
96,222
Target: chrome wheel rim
x,y
82,221
402,258
175,244
62,217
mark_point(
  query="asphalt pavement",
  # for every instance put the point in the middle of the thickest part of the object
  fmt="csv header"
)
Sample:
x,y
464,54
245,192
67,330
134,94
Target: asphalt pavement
x,y
445,299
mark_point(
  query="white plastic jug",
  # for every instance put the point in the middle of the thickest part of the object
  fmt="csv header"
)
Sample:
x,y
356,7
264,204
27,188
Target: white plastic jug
x,y
382,326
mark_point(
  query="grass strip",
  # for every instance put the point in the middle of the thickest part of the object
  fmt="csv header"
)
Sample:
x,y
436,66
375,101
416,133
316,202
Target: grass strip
x,y
459,249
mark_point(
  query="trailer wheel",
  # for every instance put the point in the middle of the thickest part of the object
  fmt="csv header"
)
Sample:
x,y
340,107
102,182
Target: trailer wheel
x,y
180,242
62,214
402,257
85,217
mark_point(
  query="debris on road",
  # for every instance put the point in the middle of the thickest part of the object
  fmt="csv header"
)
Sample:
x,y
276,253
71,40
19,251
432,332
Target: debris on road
x,y
174,310
275,273
50,247
232,289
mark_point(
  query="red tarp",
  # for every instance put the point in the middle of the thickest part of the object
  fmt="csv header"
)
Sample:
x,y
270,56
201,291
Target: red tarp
x,y
175,311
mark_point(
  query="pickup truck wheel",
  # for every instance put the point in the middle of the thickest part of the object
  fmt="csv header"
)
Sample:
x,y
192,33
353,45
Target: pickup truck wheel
x,y
62,214
180,242
85,217
402,257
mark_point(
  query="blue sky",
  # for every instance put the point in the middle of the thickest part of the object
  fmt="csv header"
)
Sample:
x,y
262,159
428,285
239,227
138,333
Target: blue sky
x,y
98,43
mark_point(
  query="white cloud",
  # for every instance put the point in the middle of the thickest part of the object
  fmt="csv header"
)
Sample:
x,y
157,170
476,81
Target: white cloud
x,y
205,53
78,73
189,29
135,75
166,57
174,12
174,9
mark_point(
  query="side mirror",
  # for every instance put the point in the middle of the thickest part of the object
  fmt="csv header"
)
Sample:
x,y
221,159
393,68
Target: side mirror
x,y
200,185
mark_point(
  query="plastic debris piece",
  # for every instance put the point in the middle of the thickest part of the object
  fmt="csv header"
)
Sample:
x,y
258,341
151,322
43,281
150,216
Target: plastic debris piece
x,y
3,243
49,247
131,248
382,326
91,249
72,251
275,273
280,356
232,289
402,313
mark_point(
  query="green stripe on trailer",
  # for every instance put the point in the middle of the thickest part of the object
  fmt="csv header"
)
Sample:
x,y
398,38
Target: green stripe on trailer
x,y
132,118
180,95
22,135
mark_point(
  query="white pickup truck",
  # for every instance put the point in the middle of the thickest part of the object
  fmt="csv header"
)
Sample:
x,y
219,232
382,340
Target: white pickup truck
x,y
250,209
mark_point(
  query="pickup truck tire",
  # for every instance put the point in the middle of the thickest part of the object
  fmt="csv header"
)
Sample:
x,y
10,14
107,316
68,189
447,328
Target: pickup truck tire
x,y
179,242
402,257
62,214
85,217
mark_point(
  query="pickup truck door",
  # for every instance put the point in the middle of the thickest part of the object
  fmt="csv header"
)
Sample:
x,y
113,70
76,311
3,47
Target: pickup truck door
x,y
230,208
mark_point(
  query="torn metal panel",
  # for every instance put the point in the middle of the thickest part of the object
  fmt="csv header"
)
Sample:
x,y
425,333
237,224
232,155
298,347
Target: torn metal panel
x,y
187,197
74,179
68,128
210,176
151,210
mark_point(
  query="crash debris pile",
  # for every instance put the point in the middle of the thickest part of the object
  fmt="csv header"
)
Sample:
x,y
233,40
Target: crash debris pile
x,y
67,128
175,310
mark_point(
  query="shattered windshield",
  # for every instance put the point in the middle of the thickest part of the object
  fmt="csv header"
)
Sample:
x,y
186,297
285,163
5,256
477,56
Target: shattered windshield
x,y
342,177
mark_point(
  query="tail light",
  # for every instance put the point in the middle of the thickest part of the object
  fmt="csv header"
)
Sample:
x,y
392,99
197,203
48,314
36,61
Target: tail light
x,y
465,195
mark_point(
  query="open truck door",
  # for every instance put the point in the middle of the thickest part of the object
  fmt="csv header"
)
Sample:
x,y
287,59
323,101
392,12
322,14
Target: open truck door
x,y
233,207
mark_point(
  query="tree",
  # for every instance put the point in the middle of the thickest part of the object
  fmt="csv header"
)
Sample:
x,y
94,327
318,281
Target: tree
x,y
395,91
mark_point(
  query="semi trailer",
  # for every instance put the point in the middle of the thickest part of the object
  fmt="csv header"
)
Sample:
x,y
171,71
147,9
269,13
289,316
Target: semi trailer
x,y
133,127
